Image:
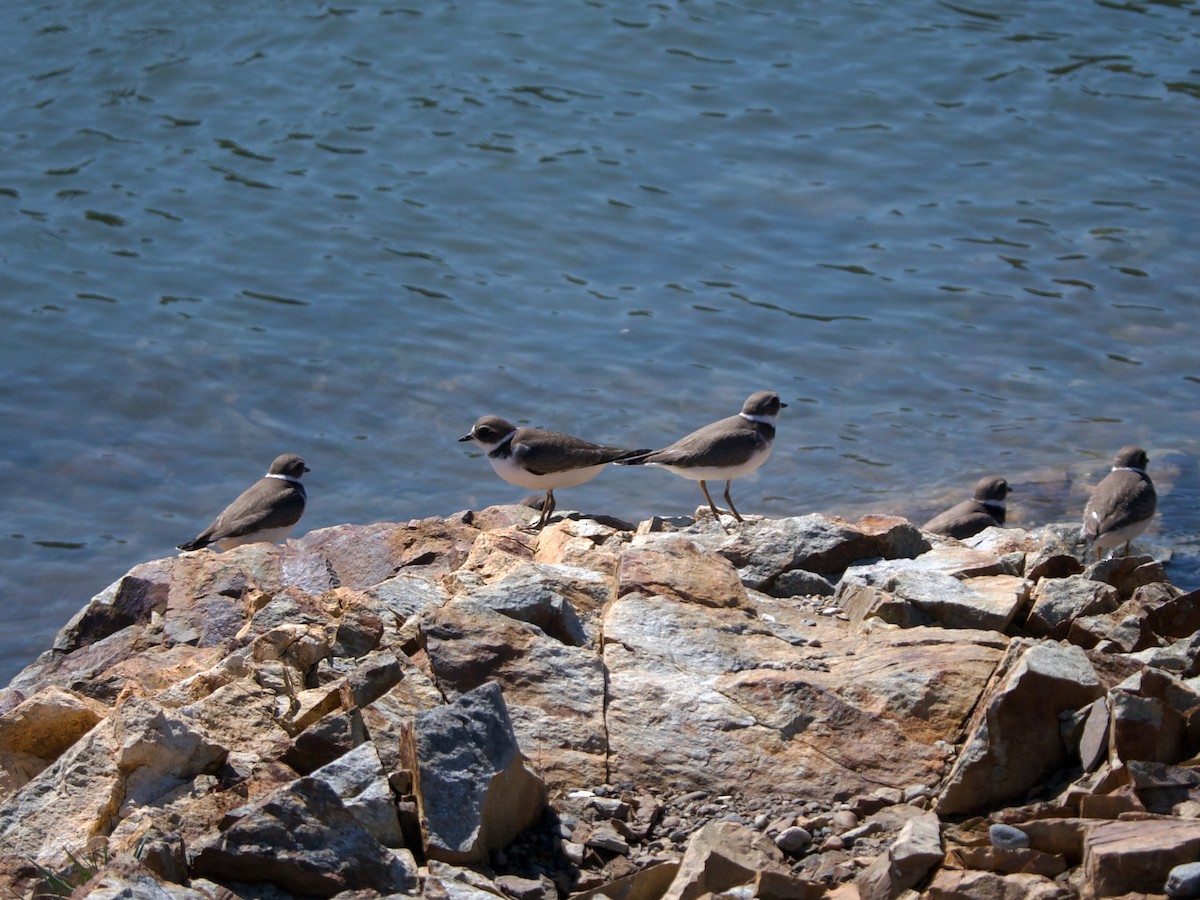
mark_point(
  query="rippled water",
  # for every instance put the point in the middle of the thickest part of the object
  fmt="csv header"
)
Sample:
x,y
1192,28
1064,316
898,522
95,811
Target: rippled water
x,y
956,238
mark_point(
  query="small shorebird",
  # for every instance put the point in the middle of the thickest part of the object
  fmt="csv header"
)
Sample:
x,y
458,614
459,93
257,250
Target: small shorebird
x,y
540,460
726,449
985,509
266,511
1122,504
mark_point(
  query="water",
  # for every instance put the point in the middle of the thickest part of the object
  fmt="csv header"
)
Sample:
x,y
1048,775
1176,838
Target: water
x,y
957,238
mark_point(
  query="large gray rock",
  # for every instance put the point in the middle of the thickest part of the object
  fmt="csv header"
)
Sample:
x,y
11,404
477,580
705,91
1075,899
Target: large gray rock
x,y
302,839
474,793
360,782
912,592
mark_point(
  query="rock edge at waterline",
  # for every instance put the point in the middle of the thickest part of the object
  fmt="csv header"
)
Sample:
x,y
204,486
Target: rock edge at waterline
x,y
454,707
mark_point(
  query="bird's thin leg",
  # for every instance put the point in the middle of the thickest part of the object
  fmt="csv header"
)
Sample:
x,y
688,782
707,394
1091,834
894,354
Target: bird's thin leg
x,y
547,509
729,500
712,506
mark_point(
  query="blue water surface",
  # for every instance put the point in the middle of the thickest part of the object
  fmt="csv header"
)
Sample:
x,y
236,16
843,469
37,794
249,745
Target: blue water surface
x,y
957,238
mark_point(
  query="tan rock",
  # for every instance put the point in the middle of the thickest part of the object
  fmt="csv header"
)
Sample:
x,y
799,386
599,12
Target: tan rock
x,y
958,884
38,731
928,680
138,754
676,718
1137,855
675,567
723,855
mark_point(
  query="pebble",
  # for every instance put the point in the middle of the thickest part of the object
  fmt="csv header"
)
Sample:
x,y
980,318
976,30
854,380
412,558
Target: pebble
x,y
843,820
793,840
1006,837
1184,880
833,842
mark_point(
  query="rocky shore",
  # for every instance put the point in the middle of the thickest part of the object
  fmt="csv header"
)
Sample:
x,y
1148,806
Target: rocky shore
x,y
459,709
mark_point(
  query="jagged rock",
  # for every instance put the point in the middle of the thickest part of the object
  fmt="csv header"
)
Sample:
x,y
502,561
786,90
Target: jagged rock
x,y
540,595
139,753
474,791
649,883
723,855
1127,573
927,680
685,675
1057,602
303,839
1015,740
554,692
360,782
37,731
907,860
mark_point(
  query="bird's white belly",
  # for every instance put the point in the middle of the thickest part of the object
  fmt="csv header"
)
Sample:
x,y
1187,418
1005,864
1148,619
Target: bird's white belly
x,y
718,473
1121,535
507,469
268,536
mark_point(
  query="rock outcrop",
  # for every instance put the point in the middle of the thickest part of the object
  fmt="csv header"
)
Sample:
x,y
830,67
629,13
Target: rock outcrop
x,y
457,708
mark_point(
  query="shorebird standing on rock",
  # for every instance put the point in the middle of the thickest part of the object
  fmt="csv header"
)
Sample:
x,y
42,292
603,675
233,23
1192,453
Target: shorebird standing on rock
x,y
267,511
1122,504
540,460
985,509
726,449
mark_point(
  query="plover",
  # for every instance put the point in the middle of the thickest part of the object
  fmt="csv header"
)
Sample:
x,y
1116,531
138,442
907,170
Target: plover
x,y
985,509
725,450
1122,504
541,460
267,511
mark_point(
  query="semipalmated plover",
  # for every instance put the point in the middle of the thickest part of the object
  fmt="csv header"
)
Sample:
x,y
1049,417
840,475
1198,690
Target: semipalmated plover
x,y
541,460
985,509
267,511
725,450
1122,504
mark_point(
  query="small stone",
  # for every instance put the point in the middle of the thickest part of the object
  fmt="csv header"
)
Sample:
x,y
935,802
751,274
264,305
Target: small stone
x,y
1184,880
833,842
844,820
608,840
793,840
1006,837
521,888
612,808
573,851
761,821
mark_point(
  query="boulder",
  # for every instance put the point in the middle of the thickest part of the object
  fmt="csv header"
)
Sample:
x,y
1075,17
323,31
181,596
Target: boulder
x,y
474,793
1015,740
304,840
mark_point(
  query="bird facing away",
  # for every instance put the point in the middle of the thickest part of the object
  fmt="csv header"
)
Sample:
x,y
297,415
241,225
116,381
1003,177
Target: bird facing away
x,y
267,511
540,460
985,509
726,449
1122,504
